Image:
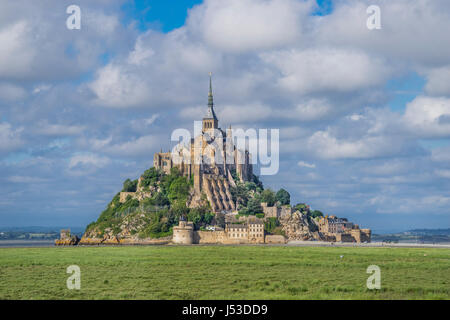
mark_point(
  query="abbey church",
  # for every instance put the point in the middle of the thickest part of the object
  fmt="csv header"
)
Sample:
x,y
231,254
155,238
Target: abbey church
x,y
212,159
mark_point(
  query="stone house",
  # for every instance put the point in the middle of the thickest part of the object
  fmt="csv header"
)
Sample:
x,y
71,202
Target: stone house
x,y
341,230
275,211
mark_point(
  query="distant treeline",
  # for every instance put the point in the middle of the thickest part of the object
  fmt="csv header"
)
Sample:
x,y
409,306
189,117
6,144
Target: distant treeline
x,y
441,232
416,235
34,233
20,235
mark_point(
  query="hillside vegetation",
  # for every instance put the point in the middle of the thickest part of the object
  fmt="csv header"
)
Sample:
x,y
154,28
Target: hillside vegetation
x,y
154,216
166,197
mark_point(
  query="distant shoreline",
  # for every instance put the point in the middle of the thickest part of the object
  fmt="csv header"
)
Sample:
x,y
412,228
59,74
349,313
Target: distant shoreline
x,y
26,243
368,245
51,243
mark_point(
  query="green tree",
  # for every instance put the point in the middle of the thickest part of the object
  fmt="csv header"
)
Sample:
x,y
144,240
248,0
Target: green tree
x,y
179,189
151,177
167,180
235,176
220,220
303,208
283,197
129,186
316,213
270,224
258,182
200,217
160,199
251,186
179,208
254,206
268,196
240,194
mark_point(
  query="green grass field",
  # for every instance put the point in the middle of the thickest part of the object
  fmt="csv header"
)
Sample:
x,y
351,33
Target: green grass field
x,y
224,272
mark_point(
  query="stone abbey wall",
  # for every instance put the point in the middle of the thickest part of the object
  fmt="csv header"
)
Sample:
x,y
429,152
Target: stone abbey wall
x,y
270,212
345,237
275,239
140,194
275,212
209,237
361,235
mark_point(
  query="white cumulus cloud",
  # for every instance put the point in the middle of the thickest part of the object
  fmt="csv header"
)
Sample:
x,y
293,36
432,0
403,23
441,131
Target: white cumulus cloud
x,y
247,25
327,69
428,117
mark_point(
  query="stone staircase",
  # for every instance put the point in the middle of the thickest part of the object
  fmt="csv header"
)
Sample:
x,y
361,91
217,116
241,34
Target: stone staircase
x,y
218,193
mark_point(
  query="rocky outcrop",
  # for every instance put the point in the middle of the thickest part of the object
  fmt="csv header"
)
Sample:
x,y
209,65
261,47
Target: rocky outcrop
x,y
96,241
129,226
86,241
126,232
72,241
298,226
197,200
139,195
66,238
141,192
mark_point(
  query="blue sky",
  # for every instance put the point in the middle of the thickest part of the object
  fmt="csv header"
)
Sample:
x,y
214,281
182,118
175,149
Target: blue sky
x,y
157,14
164,16
363,115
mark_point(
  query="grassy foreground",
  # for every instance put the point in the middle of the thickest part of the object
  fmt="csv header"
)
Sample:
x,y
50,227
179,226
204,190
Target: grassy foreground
x,y
224,272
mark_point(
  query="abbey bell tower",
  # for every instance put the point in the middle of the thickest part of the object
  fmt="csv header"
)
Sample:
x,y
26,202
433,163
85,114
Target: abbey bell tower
x,y
210,120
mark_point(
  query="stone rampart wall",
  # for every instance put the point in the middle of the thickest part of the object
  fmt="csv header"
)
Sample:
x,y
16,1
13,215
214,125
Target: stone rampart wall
x,y
209,237
275,239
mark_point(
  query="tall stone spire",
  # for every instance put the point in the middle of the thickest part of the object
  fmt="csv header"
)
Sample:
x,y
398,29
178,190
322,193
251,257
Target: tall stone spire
x,y
210,94
210,113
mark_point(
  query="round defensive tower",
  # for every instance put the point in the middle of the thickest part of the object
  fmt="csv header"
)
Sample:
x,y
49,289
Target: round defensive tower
x,y
183,233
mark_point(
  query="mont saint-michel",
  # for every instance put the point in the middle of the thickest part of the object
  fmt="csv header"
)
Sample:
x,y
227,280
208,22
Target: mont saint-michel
x,y
189,196
314,163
